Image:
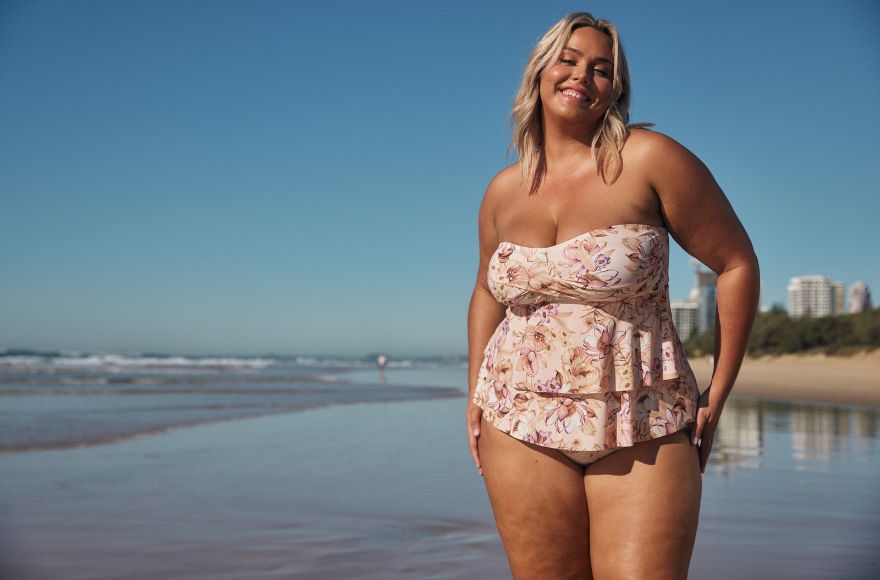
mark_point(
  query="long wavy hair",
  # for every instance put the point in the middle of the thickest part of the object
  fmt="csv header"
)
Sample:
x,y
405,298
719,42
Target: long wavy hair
x,y
528,129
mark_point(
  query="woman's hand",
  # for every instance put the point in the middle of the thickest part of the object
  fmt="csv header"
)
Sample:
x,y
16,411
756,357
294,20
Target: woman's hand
x,y
704,432
473,415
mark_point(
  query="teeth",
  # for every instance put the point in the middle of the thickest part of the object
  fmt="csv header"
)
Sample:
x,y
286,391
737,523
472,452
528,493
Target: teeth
x,y
575,94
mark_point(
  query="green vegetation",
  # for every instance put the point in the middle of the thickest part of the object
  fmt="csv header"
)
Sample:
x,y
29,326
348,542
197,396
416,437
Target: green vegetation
x,y
775,333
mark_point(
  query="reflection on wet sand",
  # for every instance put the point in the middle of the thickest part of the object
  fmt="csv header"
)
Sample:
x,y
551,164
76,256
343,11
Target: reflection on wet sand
x,y
739,437
813,433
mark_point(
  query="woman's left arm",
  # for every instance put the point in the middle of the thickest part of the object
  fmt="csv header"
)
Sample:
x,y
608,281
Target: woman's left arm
x,y
700,218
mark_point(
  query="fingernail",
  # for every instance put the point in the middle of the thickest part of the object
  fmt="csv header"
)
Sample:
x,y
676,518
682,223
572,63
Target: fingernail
x,y
476,432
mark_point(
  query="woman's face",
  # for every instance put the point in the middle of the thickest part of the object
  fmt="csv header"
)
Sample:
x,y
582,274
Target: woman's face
x,y
577,87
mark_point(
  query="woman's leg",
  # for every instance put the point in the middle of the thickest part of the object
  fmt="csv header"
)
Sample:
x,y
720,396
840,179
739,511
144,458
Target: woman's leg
x,y
644,507
538,499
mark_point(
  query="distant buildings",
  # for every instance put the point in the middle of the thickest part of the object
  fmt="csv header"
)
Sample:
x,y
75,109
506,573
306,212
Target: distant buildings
x,y
810,296
815,296
705,298
697,314
837,297
859,298
761,306
684,317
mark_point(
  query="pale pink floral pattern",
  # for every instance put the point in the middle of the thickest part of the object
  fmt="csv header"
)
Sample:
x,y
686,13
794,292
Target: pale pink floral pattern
x,y
587,357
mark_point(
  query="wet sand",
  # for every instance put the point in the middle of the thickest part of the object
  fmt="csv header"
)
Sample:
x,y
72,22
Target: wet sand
x,y
364,491
844,380
368,490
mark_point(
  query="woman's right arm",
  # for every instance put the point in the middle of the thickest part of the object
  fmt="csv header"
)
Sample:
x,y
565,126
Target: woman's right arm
x,y
484,314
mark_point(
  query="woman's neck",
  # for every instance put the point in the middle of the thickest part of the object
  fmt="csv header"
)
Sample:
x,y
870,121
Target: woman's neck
x,y
565,151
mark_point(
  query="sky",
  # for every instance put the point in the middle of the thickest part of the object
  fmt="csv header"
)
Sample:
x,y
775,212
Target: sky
x,y
304,177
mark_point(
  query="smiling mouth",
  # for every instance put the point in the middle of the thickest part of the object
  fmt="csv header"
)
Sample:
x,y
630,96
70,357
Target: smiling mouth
x,y
576,95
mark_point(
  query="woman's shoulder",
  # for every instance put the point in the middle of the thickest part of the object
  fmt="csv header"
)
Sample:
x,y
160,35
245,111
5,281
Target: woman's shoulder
x,y
504,183
647,145
645,141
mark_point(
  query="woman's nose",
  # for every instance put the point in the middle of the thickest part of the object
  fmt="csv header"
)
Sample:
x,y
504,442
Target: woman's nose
x,y
580,74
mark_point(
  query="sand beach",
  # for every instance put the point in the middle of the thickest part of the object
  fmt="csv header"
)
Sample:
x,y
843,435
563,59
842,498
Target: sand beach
x,y
852,380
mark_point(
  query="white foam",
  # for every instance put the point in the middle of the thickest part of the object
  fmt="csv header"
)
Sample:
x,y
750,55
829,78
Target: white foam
x,y
110,361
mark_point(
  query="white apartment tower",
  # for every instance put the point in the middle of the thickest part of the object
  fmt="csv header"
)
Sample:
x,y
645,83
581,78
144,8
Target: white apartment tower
x,y
859,298
814,296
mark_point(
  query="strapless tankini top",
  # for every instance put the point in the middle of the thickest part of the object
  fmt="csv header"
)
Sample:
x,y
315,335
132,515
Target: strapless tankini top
x,y
587,357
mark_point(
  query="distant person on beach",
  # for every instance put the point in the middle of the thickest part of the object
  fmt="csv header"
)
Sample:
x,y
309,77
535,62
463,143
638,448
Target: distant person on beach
x,y
584,416
381,363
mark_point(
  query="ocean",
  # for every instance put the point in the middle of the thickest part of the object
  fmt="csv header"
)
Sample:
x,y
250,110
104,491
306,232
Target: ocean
x,y
54,400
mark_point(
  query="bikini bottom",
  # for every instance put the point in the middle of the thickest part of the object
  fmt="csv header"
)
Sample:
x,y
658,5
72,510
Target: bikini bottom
x,y
584,458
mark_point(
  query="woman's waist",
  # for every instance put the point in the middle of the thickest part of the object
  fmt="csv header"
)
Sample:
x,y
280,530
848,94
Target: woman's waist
x,y
635,310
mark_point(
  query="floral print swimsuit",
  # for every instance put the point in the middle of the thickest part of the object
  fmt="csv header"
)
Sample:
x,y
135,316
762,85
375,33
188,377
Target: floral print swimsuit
x,y
587,359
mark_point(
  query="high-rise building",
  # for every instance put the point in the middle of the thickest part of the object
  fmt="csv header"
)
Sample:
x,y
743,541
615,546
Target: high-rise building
x,y
761,306
706,285
859,298
684,317
837,296
697,314
814,296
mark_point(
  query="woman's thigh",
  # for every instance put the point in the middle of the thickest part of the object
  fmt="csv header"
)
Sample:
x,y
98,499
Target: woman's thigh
x,y
644,506
538,499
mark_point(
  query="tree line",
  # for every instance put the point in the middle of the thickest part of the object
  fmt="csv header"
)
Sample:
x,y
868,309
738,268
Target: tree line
x,y
775,333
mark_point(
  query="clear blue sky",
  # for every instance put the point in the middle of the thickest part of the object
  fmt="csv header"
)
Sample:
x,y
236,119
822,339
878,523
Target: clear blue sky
x,y
293,177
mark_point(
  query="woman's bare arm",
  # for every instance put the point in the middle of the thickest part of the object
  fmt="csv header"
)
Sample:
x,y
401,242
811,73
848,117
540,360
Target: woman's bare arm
x,y
701,219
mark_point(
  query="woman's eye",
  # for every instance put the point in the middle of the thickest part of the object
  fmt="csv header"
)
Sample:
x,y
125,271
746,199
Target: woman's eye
x,y
604,73
566,61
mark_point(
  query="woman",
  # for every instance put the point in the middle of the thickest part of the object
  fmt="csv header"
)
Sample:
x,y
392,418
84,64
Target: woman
x,y
584,417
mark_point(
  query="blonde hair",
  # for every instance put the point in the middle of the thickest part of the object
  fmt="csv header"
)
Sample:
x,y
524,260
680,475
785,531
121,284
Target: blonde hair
x,y
528,130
